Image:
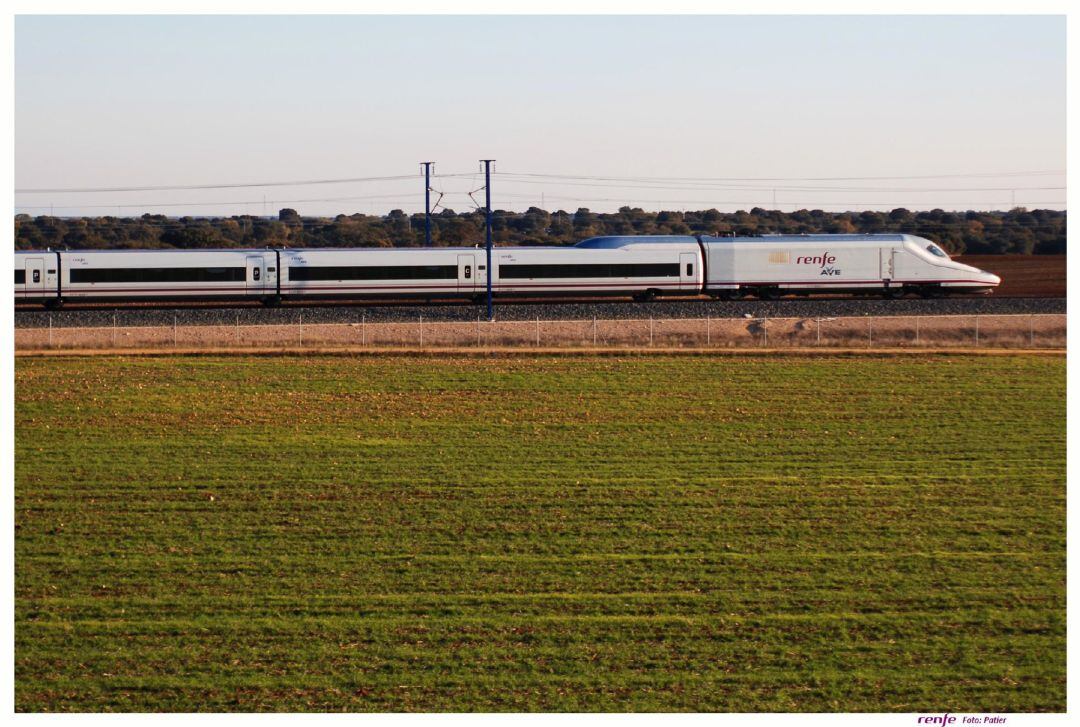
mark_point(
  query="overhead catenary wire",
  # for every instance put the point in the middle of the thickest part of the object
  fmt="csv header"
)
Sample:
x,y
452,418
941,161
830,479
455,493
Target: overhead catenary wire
x,y
825,193
403,177
211,203
1043,172
218,185
779,188
935,203
753,203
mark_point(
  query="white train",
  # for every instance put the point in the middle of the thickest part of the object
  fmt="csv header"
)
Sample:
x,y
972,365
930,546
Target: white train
x,y
891,265
642,266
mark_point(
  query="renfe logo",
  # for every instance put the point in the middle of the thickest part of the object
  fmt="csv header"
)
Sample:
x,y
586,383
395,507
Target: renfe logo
x,y
825,260
822,260
944,720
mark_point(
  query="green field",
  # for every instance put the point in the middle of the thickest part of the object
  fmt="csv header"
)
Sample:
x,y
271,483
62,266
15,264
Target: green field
x,y
541,533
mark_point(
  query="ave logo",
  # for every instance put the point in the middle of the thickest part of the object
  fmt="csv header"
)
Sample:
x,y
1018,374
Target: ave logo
x,y
825,261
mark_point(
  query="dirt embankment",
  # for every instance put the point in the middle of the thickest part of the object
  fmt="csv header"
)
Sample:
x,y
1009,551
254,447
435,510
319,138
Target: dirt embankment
x,y
1024,276
982,331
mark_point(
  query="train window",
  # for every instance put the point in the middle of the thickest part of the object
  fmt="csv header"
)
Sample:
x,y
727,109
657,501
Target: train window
x,y
20,277
158,275
375,272
271,269
591,270
935,250
689,269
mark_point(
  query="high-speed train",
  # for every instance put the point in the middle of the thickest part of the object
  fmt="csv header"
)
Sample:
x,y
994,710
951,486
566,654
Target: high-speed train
x,y
640,266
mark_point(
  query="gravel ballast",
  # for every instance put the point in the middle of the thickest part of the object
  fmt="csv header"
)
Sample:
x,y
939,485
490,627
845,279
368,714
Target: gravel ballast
x,y
610,310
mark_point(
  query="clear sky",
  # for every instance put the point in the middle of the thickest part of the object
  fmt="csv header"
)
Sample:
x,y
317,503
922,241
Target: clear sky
x,y
167,101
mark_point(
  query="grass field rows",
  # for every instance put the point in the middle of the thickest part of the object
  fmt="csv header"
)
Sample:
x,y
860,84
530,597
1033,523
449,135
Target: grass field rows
x,y
459,533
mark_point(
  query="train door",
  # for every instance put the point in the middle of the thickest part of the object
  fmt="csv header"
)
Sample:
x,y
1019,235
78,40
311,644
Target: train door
x,y
35,277
888,266
270,273
466,272
687,270
256,274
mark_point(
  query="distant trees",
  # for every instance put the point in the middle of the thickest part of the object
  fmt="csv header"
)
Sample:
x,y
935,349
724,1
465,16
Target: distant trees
x,y
1017,231
584,223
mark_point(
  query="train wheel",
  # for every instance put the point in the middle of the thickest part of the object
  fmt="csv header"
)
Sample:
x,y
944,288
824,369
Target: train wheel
x,y
54,303
767,294
645,296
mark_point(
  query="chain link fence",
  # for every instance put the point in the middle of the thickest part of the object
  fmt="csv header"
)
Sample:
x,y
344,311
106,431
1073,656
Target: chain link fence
x,y
953,331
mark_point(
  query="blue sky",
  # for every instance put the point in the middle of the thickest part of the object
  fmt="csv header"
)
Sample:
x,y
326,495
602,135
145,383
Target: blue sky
x,y
158,100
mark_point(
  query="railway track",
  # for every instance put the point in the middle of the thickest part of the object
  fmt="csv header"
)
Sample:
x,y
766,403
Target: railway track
x,y
435,302
341,312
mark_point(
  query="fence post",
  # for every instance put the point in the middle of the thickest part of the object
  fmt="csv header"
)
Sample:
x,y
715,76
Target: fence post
x,y
421,331
301,329
818,321
478,330
650,331
870,320
363,329
765,330
238,329
174,330
1031,330
114,330
976,331
538,331
50,330
708,331
918,319
594,330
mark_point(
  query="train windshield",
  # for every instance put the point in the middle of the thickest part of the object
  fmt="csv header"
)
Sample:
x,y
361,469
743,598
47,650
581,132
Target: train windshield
x,y
935,250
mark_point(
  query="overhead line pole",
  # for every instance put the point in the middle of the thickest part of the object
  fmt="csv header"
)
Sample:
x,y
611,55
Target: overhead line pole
x,y
427,202
487,233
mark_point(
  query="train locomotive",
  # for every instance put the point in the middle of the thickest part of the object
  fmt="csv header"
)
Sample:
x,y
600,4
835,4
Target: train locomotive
x,y
644,267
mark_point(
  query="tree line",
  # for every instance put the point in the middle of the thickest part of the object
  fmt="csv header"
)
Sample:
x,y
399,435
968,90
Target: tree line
x,y
1019,230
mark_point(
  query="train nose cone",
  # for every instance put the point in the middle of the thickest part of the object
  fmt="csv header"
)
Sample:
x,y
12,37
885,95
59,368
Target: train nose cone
x,y
989,279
